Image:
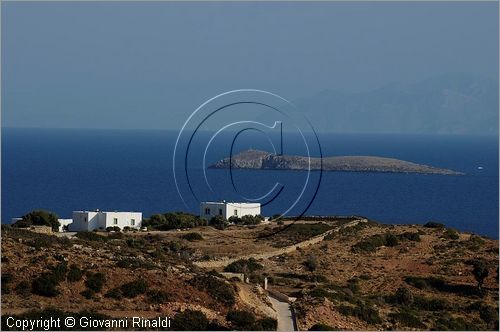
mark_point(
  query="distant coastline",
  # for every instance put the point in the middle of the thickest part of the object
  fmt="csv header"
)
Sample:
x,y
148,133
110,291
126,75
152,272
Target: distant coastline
x,y
262,160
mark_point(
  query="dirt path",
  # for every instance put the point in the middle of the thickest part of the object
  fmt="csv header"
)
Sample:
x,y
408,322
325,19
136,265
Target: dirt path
x,y
285,318
285,250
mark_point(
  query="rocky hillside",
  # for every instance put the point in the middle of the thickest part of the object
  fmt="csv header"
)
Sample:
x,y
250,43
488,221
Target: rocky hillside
x,y
255,159
118,275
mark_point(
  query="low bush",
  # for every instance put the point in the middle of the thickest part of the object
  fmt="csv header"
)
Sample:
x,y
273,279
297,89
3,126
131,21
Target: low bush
x,y
322,327
113,229
266,324
134,288
114,293
91,236
95,281
411,236
23,289
433,224
243,266
361,311
404,296
74,273
216,287
45,285
373,242
7,279
190,320
451,234
193,237
311,263
446,322
87,293
240,319
407,318
158,296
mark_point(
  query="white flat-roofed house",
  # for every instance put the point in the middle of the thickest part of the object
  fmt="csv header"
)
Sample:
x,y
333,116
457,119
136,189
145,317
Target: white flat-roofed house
x,y
100,220
63,224
208,210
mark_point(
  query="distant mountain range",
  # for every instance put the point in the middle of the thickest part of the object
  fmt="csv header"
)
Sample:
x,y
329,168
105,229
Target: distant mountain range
x,y
448,104
263,160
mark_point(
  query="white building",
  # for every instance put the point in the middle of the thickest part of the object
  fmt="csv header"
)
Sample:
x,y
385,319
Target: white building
x,y
100,220
208,210
63,223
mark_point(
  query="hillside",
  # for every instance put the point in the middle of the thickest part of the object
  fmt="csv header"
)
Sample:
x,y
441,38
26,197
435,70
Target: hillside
x,y
342,273
255,159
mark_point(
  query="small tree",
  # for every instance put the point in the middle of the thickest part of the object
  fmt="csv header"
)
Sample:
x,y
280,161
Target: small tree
x,y
218,222
480,272
39,218
311,263
404,296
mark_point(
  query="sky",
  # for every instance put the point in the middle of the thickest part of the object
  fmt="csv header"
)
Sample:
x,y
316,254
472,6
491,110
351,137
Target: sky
x,y
149,65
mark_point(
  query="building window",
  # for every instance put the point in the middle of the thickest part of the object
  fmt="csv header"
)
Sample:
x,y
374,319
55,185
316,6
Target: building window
x,y
132,222
220,212
207,211
236,212
115,221
85,219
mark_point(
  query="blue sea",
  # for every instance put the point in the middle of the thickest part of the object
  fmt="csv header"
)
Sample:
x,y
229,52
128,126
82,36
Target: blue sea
x,y
72,169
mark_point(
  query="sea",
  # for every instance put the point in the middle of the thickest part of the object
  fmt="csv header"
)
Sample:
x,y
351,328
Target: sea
x,y
63,170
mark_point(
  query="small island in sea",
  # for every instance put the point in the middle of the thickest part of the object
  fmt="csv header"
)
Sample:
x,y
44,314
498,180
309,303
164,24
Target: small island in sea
x,y
263,160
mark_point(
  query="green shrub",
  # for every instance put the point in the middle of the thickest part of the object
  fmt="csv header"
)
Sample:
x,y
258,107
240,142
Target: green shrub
x,y
87,293
45,285
311,263
241,319
373,242
433,224
74,274
404,296
451,234
59,272
407,318
267,324
95,281
173,220
411,236
429,304
7,278
135,242
114,293
91,236
322,327
159,296
243,266
23,289
39,218
190,320
193,237
216,287
446,322
134,288
361,311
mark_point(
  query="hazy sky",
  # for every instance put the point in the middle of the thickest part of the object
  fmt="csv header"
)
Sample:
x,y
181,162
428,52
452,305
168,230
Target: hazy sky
x,y
148,65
